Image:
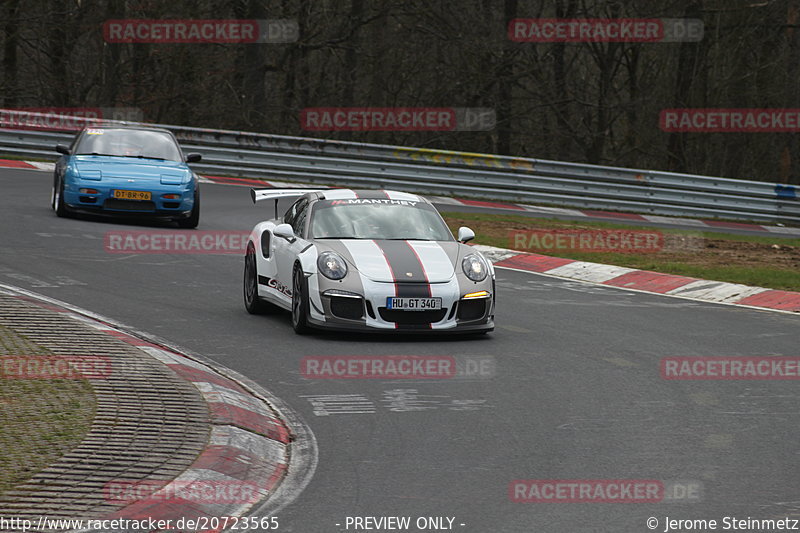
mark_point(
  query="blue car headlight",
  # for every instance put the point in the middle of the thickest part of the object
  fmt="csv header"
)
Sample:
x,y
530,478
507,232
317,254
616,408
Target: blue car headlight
x,y
474,267
331,265
172,179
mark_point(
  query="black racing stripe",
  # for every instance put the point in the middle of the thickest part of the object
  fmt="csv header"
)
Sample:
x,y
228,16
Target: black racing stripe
x,y
409,275
413,290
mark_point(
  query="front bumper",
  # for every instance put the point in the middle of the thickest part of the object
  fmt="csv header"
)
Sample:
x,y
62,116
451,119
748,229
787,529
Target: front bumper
x,y
338,309
102,202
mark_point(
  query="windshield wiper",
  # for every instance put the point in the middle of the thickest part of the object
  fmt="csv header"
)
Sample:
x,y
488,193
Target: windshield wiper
x,y
148,157
140,156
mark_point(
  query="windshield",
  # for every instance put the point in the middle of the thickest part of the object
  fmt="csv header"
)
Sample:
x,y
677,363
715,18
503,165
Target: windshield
x,y
129,143
377,219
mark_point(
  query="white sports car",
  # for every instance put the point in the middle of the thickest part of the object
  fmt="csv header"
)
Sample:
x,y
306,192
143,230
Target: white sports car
x,y
367,260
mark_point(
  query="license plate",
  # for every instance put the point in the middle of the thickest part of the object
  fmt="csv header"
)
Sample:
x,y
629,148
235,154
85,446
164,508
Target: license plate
x,y
132,195
414,304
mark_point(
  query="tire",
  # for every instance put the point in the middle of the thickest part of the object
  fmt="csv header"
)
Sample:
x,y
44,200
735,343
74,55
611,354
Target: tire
x,y
253,304
57,201
192,220
53,193
299,302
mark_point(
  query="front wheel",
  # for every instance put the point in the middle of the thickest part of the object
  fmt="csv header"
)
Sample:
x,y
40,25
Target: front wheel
x,y
299,302
193,219
58,200
253,304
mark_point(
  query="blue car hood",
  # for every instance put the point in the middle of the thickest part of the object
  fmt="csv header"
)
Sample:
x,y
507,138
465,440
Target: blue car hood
x,y
92,166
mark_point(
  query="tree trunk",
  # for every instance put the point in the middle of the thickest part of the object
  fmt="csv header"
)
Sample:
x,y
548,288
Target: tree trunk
x,y
10,43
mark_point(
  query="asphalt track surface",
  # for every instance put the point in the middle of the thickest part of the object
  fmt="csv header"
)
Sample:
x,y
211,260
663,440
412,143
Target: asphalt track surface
x,y
577,393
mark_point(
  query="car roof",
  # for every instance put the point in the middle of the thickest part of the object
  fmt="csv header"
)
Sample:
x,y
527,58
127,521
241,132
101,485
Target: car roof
x,y
367,194
126,127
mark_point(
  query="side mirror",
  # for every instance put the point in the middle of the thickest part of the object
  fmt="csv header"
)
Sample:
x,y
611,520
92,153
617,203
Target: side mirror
x,y
465,234
193,157
61,149
285,231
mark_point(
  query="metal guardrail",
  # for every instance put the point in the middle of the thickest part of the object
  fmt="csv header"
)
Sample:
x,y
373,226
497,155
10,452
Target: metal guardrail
x,y
439,172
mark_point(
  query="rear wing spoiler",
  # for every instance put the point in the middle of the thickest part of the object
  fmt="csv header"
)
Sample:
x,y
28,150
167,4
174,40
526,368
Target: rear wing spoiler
x,y
276,194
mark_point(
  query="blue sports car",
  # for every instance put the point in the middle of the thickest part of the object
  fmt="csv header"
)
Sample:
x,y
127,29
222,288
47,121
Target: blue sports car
x,y
126,170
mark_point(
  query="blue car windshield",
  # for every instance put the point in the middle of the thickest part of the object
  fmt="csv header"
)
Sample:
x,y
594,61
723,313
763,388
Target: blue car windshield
x,y
377,219
128,143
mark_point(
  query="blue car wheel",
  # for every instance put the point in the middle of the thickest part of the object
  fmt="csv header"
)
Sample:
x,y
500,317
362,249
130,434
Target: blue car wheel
x,y
60,207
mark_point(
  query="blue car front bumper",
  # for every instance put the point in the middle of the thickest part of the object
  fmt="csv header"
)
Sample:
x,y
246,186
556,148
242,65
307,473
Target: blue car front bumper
x,y
98,197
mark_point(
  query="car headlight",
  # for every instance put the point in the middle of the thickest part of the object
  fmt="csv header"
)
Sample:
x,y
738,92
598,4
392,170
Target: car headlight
x,y
95,175
331,265
474,267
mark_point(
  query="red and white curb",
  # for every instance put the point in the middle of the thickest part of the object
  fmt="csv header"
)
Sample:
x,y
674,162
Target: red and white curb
x,y
29,165
250,447
644,280
553,211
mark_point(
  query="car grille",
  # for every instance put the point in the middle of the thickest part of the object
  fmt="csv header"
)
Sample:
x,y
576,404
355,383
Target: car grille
x,y
129,205
472,309
412,317
349,308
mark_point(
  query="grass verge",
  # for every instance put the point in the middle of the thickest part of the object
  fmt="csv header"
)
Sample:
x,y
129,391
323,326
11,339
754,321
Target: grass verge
x,y
764,261
40,419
